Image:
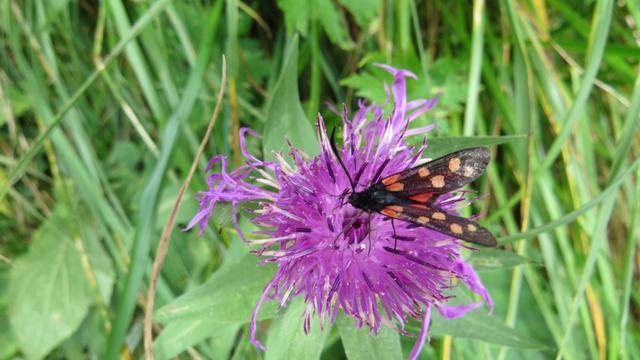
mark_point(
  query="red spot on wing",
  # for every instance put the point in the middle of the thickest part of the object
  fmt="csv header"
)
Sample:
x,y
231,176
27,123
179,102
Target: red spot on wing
x,y
421,197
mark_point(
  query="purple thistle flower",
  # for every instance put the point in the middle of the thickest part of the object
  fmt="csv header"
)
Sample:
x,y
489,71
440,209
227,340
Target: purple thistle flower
x,y
326,250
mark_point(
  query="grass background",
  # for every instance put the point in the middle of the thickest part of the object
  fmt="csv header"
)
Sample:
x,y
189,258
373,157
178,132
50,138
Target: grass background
x,y
102,106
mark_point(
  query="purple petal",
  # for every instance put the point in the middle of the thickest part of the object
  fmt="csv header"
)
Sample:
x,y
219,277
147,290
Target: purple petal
x,y
421,130
254,316
422,337
473,282
396,72
453,312
428,105
243,145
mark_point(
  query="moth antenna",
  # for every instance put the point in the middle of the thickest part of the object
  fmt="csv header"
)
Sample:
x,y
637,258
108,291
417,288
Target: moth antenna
x,y
335,152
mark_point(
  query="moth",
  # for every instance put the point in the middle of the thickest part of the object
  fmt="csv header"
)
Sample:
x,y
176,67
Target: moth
x,y
410,194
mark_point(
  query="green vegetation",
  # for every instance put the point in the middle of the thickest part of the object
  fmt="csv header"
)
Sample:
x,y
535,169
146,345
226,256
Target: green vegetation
x,y
103,105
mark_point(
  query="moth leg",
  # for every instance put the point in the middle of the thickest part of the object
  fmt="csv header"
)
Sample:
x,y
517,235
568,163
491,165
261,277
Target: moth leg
x,y
369,234
353,221
395,238
342,197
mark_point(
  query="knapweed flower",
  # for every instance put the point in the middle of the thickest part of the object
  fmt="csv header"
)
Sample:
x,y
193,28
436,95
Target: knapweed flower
x,y
334,255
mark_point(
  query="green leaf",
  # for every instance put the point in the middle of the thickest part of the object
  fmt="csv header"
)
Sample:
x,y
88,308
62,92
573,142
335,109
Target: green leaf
x,y
481,326
98,258
366,85
287,339
296,15
493,259
333,23
223,338
181,334
445,145
360,344
364,11
216,308
8,347
229,296
286,118
48,291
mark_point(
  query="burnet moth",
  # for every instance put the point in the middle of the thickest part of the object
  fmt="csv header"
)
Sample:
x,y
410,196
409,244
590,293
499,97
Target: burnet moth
x,y
410,194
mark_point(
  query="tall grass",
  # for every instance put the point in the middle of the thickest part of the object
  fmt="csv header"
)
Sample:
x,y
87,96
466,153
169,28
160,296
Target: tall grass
x,y
102,105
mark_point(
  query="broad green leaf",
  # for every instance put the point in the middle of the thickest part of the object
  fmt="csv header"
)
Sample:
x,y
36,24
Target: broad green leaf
x,y
333,23
493,259
89,338
296,15
287,339
223,339
8,346
364,11
441,146
481,326
99,260
168,198
448,78
48,290
179,335
286,118
360,344
229,296
366,85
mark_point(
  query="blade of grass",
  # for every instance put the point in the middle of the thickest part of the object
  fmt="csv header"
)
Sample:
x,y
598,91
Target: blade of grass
x,y
525,112
231,47
605,194
599,233
183,35
417,29
314,86
597,41
125,303
477,48
163,244
633,237
83,179
138,63
35,148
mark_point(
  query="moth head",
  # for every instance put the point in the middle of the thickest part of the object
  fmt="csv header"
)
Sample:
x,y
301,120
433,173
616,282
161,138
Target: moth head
x,y
360,200
354,197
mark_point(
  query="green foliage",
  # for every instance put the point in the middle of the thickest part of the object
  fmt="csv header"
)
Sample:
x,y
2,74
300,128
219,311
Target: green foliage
x,y
299,14
228,296
492,259
285,116
364,11
289,341
444,145
102,105
49,292
359,344
480,326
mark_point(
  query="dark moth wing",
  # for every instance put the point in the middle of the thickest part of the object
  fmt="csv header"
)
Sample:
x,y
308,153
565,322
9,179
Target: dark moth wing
x,y
439,176
438,220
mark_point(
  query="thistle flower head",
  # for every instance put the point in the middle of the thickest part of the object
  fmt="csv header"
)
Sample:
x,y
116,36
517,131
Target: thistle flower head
x,y
336,256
